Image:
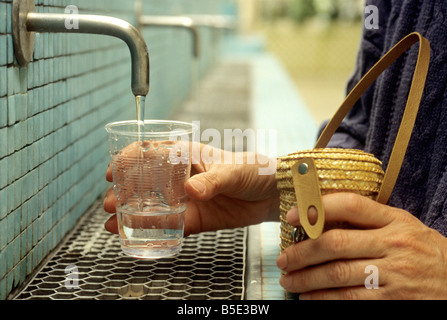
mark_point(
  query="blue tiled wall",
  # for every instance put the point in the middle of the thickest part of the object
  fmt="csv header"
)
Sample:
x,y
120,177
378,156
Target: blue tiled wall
x,y
53,146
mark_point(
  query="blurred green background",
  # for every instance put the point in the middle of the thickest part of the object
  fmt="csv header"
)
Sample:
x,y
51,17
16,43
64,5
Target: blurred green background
x,y
316,40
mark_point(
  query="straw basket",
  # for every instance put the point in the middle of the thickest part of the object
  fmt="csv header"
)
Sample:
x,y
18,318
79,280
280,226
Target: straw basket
x,y
303,177
338,170
347,170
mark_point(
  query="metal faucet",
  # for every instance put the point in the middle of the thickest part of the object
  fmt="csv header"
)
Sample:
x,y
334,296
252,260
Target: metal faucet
x,y
26,21
214,21
169,21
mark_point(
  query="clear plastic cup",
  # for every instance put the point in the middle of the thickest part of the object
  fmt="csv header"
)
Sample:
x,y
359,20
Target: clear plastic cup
x,y
150,165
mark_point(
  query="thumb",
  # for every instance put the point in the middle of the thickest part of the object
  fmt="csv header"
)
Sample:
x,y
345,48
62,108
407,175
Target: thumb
x,y
206,185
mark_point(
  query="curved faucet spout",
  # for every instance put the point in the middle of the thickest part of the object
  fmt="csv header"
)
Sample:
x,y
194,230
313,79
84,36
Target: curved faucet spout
x,y
30,21
176,22
214,21
93,24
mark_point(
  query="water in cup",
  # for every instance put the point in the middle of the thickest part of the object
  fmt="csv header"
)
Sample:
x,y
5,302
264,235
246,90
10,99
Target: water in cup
x,y
149,175
151,235
152,210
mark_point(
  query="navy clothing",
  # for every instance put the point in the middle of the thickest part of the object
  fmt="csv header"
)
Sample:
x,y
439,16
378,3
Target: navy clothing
x,y
373,123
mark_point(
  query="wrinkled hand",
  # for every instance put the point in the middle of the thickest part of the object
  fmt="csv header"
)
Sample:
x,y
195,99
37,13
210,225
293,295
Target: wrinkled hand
x,y
142,167
410,257
221,196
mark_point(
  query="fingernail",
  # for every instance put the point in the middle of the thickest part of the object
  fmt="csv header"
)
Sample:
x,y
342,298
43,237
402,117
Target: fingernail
x,y
281,262
197,185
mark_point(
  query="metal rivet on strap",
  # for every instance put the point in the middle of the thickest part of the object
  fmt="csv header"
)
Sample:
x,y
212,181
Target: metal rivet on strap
x,y
303,168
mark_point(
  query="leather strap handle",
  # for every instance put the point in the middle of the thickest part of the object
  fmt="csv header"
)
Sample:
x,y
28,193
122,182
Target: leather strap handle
x,y
410,113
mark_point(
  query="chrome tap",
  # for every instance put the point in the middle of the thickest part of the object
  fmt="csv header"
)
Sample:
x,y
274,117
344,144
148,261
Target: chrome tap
x,y
214,21
169,21
26,21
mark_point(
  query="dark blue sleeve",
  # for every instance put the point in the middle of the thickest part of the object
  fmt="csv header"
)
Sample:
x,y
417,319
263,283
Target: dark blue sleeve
x,y
352,132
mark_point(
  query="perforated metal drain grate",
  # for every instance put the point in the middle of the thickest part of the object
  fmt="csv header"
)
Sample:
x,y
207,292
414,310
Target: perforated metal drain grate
x,y
210,266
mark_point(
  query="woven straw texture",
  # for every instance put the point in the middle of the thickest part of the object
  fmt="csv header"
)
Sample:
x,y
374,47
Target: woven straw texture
x,y
338,170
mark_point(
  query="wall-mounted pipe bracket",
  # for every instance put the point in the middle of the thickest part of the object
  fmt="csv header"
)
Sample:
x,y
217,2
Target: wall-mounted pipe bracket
x,y
23,39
